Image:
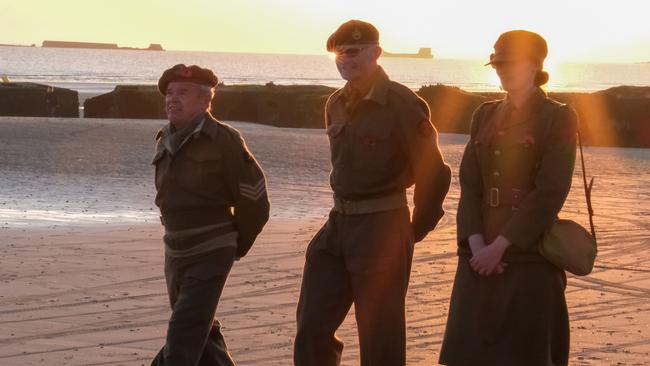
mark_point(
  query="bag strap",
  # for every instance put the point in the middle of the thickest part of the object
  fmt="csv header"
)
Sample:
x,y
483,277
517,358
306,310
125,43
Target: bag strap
x,y
587,187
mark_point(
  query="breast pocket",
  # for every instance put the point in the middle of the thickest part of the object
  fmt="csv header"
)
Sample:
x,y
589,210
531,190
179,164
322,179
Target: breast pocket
x,y
372,148
520,158
199,170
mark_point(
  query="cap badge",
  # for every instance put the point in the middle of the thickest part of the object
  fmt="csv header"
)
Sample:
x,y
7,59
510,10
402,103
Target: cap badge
x,y
356,34
185,72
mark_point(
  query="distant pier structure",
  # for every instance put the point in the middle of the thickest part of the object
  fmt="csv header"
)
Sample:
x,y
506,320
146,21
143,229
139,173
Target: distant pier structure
x,y
424,52
98,46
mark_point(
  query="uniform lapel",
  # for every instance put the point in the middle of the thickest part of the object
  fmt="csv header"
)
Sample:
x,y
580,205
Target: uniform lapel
x,y
349,100
378,91
527,112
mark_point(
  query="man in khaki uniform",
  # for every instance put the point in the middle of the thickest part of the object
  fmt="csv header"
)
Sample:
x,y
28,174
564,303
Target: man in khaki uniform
x,y
382,142
213,203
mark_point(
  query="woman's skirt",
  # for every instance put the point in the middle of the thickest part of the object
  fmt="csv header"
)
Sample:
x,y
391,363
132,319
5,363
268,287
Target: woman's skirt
x,y
515,318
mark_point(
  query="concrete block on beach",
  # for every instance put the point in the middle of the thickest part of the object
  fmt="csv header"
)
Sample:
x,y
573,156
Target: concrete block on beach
x,y
127,101
276,105
451,107
617,116
37,100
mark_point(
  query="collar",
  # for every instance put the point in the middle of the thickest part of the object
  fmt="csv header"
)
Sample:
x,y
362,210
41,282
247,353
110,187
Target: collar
x,y
207,126
510,115
190,126
532,102
174,140
199,126
377,88
378,92
202,125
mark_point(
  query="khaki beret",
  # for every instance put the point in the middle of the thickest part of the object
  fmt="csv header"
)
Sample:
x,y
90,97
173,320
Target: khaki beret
x,y
353,32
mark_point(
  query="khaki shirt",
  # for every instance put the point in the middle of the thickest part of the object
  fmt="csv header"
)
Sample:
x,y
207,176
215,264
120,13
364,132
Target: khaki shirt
x,y
208,177
516,171
383,143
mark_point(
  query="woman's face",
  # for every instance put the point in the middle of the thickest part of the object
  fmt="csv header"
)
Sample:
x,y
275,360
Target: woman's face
x,y
516,75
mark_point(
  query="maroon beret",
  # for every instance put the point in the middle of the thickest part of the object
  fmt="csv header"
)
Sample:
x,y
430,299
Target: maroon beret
x,y
192,74
519,44
353,32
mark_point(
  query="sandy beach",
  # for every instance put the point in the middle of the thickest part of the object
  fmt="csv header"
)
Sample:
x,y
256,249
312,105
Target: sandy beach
x,y
81,255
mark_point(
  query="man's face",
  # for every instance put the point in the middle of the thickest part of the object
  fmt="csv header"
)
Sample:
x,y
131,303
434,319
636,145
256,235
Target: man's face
x,y
356,62
184,102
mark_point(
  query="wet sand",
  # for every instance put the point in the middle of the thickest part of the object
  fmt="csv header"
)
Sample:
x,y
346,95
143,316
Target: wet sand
x,y
81,256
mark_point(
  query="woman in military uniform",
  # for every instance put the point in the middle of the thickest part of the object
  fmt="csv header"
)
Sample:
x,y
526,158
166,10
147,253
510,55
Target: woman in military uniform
x,y
507,304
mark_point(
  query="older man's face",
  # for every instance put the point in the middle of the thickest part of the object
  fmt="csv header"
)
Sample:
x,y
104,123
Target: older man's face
x,y
184,102
356,61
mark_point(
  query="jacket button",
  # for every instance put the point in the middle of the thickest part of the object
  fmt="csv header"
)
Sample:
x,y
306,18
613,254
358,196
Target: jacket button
x,y
496,174
500,133
497,152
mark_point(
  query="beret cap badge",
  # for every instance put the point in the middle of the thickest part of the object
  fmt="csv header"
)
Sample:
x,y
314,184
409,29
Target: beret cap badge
x,y
353,32
356,34
184,71
193,74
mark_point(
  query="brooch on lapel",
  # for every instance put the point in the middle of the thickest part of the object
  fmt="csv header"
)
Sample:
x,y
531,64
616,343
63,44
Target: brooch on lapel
x,y
369,141
529,140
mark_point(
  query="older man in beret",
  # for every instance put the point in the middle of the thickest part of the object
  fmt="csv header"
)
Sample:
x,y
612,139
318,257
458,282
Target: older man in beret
x,y
213,203
382,142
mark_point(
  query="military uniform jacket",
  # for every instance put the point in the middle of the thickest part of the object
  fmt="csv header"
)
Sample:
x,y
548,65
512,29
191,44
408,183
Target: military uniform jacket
x,y
211,178
384,143
516,172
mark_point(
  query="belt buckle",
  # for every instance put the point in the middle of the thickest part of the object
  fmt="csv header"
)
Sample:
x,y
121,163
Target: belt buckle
x,y
494,197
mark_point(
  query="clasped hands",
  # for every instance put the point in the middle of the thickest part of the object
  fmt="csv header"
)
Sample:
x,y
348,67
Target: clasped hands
x,y
488,259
